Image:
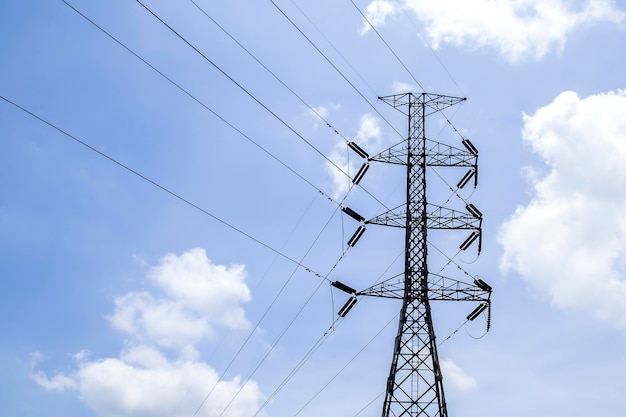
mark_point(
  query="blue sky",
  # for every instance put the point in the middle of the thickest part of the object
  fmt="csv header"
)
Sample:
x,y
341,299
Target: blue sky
x,y
174,289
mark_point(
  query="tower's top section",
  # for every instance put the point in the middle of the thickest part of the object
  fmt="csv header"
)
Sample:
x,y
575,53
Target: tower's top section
x,y
434,102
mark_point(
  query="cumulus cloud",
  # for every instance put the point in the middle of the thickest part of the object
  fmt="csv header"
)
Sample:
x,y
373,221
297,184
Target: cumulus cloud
x,y
376,14
159,371
368,137
143,382
517,29
569,241
163,322
455,377
215,291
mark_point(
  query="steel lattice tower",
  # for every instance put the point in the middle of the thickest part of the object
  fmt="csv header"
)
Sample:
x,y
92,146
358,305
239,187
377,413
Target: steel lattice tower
x,y
415,382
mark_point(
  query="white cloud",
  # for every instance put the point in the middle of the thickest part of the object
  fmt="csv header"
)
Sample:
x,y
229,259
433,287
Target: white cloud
x,y
340,181
144,380
516,28
376,13
58,382
369,137
455,377
163,322
215,291
369,134
399,88
569,241
321,113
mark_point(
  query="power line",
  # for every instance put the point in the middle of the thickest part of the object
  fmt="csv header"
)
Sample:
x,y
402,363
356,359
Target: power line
x,y
386,44
241,87
163,188
200,102
301,363
334,47
264,315
346,365
334,67
432,50
252,96
271,349
276,77
404,66
186,201
189,94
312,350
260,320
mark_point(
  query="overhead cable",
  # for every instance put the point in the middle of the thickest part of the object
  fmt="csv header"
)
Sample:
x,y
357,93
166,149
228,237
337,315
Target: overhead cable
x,y
249,94
200,102
269,350
163,188
334,47
301,363
386,44
276,77
432,50
334,67
260,320
241,87
346,365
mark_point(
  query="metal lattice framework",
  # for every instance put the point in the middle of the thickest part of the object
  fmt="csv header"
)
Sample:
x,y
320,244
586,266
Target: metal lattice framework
x,y
415,383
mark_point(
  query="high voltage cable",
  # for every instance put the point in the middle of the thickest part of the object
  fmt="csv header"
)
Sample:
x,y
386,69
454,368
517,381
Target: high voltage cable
x,y
247,92
279,118
333,46
388,46
163,188
432,50
260,320
369,403
397,57
454,192
282,333
269,268
177,196
348,364
312,351
200,102
300,364
271,349
277,78
232,126
403,64
334,66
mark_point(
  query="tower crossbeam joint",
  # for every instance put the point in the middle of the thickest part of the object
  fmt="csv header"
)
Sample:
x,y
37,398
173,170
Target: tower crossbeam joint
x,y
440,288
442,155
438,217
396,217
444,218
433,102
437,155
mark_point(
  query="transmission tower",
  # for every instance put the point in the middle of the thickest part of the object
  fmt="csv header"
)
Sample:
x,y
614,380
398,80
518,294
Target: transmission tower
x,y
415,382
